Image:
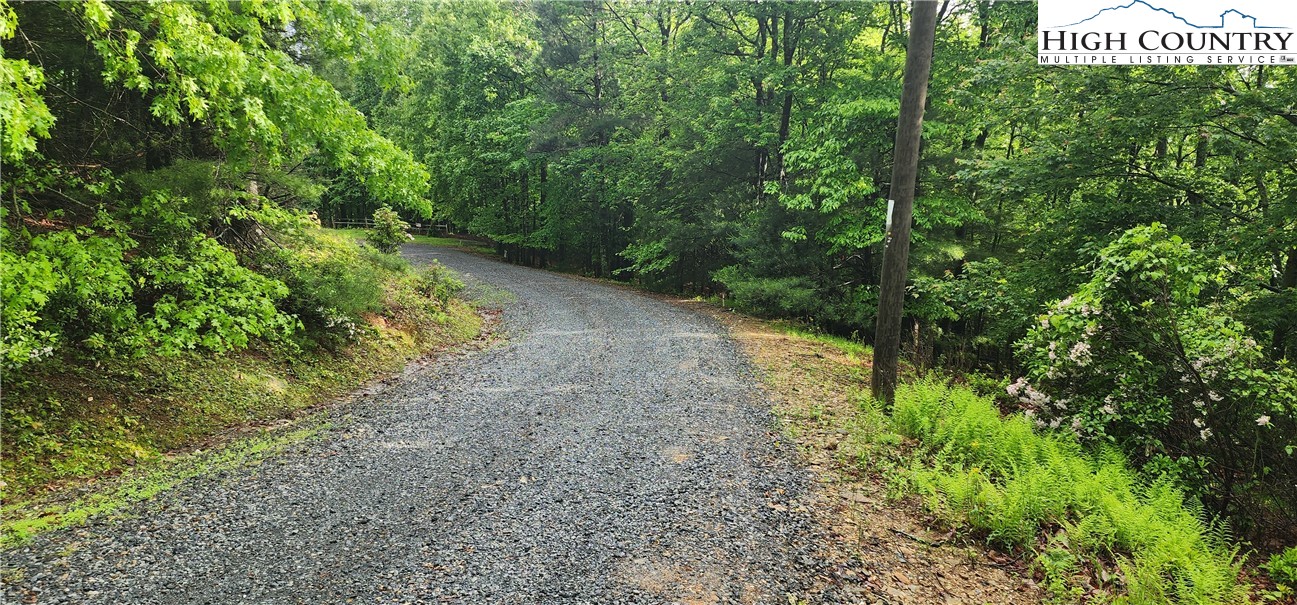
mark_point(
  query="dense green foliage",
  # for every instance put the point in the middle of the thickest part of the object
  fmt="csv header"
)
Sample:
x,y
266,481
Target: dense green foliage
x,y
743,149
160,164
1283,569
159,159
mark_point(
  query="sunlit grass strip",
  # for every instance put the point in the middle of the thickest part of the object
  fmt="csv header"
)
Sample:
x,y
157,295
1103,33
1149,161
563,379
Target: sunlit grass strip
x,y
1043,492
25,520
852,348
430,240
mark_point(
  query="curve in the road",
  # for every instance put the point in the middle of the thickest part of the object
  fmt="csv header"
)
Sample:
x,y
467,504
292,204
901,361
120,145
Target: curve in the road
x,y
615,450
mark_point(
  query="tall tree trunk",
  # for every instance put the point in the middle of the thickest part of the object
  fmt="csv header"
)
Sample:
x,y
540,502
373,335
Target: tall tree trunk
x,y
524,215
540,204
786,113
664,23
905,168
760,156
1287,282
1199,161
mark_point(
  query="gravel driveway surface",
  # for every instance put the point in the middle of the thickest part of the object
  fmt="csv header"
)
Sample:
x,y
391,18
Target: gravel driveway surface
x,y
615,450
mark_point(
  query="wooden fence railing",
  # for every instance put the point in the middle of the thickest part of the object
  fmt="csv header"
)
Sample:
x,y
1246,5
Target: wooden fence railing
x,y
417,228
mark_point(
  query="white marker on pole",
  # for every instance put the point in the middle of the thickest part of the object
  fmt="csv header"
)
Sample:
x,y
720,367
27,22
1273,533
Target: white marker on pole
x,y
890,205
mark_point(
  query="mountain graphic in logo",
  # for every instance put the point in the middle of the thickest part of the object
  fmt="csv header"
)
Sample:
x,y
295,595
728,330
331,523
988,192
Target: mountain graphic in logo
x,y
1231,18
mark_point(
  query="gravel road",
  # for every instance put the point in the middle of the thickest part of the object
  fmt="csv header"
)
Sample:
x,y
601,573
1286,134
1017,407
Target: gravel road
x,y
615,449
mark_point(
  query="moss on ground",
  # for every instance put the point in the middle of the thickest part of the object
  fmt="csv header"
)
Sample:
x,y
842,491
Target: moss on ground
x,y
25,519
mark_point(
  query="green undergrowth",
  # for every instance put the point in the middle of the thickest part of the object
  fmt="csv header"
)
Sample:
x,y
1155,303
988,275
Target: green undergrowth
x,y
74,423
1097,529
26,519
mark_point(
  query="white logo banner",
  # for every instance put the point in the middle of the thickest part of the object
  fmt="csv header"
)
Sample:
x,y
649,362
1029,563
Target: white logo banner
x,y
1167,32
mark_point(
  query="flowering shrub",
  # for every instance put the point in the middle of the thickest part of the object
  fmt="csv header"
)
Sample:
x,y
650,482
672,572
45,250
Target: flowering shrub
x,y
1142,356
389,231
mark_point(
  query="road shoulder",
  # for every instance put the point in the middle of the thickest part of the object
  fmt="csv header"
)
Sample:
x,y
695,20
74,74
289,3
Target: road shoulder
x,y
883,548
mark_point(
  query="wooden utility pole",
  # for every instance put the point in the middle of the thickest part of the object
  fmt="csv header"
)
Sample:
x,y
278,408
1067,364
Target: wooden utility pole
x,y
905,169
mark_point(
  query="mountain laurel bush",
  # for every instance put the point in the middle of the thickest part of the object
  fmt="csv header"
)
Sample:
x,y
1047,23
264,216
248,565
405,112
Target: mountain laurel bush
x,y
1146,355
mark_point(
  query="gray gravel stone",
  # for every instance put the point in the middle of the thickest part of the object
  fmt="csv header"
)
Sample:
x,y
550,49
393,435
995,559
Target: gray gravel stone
x,y
614,450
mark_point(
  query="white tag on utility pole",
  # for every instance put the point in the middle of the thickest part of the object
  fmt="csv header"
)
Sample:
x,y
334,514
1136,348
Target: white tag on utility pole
x,y
890,205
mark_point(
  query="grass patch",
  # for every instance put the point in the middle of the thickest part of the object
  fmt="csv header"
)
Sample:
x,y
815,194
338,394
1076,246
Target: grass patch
x,y
1089,518
357,235
457,243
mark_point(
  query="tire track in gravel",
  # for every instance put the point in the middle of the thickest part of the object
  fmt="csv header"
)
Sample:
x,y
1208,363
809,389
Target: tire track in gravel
x,y
615,450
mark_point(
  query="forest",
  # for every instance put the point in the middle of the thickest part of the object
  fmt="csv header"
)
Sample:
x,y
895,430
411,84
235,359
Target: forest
x,y
1120,242
1109,251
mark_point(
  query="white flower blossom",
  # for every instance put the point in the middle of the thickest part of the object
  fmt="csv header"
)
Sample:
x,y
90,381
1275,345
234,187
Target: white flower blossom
x,y
1080,353
1032,396
1016,387
1264,420
1205,433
